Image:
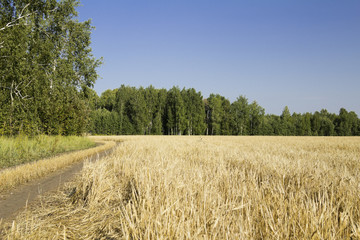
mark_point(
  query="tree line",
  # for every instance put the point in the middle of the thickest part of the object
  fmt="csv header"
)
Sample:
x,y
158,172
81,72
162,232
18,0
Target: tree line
x,y
46,68
130,110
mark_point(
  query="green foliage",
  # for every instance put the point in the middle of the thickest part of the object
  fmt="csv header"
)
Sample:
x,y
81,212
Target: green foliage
x,y
130,110
215,113
108,99
347,123
256,119
218,115
194,112
23,149
240,113
46,68
105,122
287,125
175,112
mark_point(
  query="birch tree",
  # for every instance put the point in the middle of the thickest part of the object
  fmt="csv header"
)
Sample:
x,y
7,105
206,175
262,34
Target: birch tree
x,y
45,64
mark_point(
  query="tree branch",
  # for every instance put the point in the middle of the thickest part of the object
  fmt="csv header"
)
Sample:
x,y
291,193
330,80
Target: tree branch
x,y
14,22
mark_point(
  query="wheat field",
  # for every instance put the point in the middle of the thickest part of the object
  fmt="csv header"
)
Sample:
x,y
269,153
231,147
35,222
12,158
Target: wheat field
x,y
164,187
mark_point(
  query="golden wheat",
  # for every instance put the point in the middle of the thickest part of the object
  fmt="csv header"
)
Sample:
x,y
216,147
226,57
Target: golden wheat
x,y
208,188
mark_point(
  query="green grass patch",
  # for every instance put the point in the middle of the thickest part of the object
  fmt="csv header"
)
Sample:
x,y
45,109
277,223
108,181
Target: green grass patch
x,y
23,149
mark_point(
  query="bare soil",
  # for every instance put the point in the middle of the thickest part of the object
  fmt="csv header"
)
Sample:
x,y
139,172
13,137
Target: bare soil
x,y
15,200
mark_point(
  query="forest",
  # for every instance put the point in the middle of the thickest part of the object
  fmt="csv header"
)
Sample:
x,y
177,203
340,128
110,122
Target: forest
x,y
47,74
150,111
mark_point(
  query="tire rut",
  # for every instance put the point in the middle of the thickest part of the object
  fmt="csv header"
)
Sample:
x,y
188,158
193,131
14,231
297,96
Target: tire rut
x,y
25,194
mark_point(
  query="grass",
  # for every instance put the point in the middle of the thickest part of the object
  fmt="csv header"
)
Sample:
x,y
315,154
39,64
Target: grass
x,y
22,149
12,177
207,188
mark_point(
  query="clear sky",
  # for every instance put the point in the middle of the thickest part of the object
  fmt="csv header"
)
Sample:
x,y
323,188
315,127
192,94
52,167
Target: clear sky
x,y
301,53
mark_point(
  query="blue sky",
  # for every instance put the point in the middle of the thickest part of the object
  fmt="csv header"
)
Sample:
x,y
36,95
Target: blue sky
x,y
301,53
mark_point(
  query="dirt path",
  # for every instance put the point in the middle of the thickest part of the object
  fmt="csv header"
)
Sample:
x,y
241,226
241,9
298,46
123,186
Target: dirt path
x,y
18,198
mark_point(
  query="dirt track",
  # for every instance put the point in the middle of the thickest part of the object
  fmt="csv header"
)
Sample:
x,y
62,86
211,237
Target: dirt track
x,y
18,198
